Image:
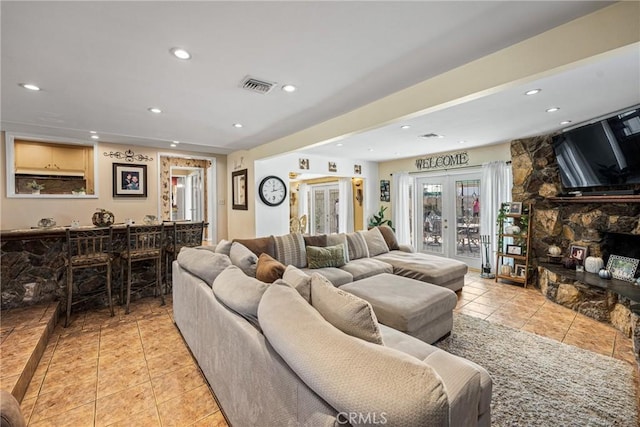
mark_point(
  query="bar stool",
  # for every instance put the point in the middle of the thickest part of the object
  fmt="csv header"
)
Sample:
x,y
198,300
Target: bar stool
x,y
87,248
143,242
181,235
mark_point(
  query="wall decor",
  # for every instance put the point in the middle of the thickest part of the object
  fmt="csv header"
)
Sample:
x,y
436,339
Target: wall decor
x,y
385,193
578,252
622,268
239,190
333,167
443,161
128,156
129,180
303,164
357,169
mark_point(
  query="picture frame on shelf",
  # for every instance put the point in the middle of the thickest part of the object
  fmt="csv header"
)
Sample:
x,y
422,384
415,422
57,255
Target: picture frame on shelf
x,y
129,180
515,208
514,250
622,267
578,252
239,190
521,270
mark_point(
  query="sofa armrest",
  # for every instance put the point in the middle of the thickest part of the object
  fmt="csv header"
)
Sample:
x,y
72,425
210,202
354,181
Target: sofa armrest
x,y
406,248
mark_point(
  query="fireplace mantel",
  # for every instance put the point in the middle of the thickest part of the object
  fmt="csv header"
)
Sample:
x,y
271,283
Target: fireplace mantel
x,y
596,199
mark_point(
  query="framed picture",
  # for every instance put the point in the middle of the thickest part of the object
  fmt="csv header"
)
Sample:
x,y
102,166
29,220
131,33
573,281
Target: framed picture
x,y
303,164
357,169
578,252
521,270
385,194
514,250
333,167
515,208
239,190
129,180
622,268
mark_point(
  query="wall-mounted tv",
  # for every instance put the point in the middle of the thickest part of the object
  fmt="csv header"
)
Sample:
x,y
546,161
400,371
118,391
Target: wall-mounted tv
x,y
602,153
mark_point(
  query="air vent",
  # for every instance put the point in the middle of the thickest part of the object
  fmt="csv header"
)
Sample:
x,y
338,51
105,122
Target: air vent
x,y
430,135
256,85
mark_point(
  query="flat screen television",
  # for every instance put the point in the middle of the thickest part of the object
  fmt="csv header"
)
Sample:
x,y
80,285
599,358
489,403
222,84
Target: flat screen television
x,y
602,153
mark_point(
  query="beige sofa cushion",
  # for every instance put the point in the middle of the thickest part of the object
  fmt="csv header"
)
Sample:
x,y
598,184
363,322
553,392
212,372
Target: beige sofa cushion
x,y
337,276
203,263
389,237
375,242
366,267
239,292
347,312
424,267
357,246
290,250
298,280
243,258
223,247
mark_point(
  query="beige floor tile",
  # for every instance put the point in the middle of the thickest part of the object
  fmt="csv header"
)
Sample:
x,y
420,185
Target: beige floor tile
x,y
507,320
469,312
471,291
26,407
480,308
214,420
118,406
61,400
77,417
166,363
192,405
146,418
117,378
62,376
177,382
543,328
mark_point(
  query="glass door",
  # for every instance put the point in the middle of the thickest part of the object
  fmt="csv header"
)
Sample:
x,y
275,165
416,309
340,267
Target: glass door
x,y
448,207
324,208
187,194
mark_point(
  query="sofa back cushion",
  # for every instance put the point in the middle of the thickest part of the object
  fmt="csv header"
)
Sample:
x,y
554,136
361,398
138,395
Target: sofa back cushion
x,y
290,250
357,246
389,237
316,240
243,258
239,292
329,256
223,247
268,269
203,263
347,312
375,242
298,280
259,245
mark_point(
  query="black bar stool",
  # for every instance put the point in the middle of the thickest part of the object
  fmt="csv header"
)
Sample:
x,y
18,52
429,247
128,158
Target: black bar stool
x,y
181,235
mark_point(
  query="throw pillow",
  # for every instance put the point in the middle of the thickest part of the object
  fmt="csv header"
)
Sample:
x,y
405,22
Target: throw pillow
x,y
223,247
337,239
203,263
269,270
389,237
316,240
239,292
357,246
375,242
243,258
290,250
330,256
259,245
347,312
298,280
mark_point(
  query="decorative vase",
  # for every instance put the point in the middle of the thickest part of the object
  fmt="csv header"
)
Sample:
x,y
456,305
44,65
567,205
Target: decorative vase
x,y
554,250
593,264
102,218
604,273
505,270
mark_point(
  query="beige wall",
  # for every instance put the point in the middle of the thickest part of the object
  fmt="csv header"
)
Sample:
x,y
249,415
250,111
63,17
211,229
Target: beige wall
x,y
563,47
18,213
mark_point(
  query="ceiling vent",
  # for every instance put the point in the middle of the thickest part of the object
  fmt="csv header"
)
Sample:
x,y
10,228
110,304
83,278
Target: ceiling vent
x,y
430,135
256,85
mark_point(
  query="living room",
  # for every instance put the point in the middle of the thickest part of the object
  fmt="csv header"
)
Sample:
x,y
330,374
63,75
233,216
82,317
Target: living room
x,y
309,155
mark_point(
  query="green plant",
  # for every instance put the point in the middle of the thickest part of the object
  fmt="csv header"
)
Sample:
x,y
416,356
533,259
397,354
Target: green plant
x,y
35,186
378,219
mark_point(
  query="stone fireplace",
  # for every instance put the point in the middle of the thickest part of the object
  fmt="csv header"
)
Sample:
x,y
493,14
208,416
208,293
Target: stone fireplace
x,y
604,226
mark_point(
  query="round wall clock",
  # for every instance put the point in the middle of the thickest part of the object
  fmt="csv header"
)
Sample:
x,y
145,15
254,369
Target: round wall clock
x,y
272,190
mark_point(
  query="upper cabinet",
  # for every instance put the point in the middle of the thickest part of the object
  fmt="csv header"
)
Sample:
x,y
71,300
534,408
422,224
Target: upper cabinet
x,y
57,159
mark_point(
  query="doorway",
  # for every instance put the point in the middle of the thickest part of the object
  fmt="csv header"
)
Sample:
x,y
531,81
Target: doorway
x,y
448,207
187,194
324,207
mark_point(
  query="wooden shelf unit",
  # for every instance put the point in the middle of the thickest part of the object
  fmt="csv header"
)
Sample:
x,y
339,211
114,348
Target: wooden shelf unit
x,y
522,239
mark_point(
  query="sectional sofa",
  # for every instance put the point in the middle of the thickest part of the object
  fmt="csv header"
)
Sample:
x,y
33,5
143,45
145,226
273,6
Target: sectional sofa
x,y
302,352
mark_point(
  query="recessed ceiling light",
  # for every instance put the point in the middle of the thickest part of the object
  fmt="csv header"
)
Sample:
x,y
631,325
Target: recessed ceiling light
x,y
29,86
565,122
154,110
289,88
462,142
176,142
95,137
93,131
532,91
339,144
440,136
180,53
173,145
370,149
237,125
552,109
405,126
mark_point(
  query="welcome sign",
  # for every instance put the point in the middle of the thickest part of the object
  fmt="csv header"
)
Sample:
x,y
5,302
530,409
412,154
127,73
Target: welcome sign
x,y
443,161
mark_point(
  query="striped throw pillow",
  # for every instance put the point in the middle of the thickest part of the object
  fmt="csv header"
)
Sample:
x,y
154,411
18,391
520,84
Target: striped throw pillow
x,y
357,246
290,250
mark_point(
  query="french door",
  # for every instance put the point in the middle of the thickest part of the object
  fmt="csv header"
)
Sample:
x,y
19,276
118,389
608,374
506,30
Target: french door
x,y
448,207
324,209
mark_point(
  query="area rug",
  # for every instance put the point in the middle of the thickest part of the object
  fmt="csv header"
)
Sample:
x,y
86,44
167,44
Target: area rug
x,y
541,382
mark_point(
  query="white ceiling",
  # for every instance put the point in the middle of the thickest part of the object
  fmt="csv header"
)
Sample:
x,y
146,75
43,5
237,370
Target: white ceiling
x,y
102,64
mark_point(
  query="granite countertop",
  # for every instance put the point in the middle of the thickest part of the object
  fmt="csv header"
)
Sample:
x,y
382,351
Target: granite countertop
x,y
60,229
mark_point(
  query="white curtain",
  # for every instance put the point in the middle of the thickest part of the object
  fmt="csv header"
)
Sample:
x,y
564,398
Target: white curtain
x,y
345,206
303,198
495,190
400,201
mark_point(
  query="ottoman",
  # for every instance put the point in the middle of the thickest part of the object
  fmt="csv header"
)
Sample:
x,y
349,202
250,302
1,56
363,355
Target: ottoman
x,y
419,309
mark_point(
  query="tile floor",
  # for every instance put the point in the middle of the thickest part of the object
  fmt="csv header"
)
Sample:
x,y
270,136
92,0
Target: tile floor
x,y
136,370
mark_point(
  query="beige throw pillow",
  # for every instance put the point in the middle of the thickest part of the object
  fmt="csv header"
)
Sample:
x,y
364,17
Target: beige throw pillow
x,y
243,258
239,292
347,312
375,242
357,246
298,280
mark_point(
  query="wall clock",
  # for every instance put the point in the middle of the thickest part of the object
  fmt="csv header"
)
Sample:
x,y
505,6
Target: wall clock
x,y
272,190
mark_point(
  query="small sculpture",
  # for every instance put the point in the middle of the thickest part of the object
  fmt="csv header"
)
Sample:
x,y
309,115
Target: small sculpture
x,y
593,264
554,250
102,218
604,273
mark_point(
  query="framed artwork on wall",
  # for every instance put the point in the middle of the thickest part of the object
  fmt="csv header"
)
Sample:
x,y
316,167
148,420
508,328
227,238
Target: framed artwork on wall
x,y
129,180
385,190
239,190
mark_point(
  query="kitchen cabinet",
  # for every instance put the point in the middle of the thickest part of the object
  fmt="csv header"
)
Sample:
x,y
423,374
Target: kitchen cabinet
x,y
51,159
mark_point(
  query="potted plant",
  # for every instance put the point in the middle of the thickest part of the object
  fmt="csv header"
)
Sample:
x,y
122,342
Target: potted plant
x,y
35,187
378,219
79,191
